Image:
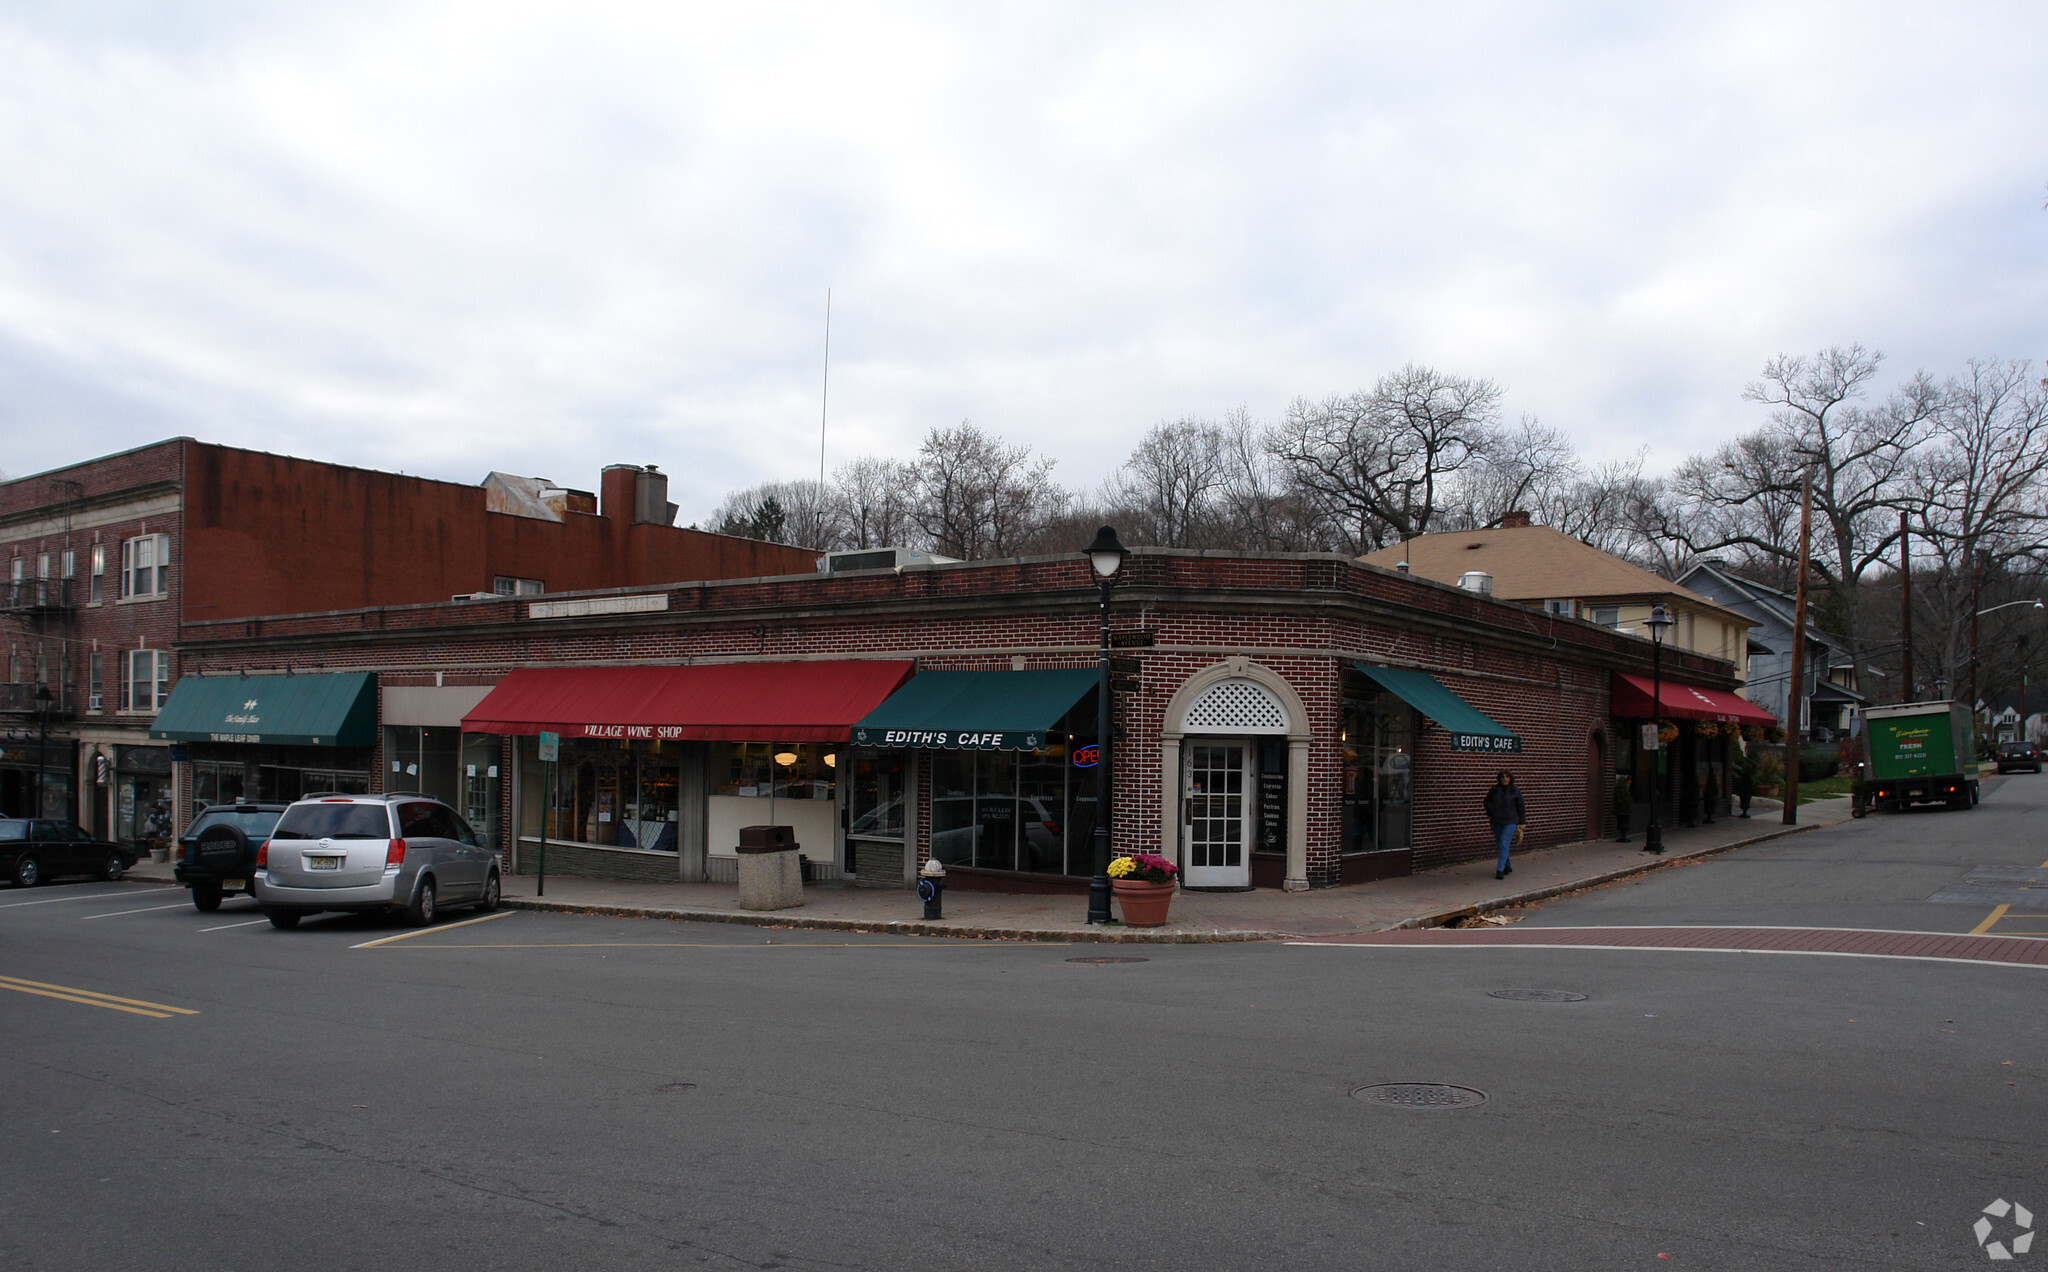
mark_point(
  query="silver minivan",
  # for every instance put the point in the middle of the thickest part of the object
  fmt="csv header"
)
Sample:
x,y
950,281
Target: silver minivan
x,y
405,853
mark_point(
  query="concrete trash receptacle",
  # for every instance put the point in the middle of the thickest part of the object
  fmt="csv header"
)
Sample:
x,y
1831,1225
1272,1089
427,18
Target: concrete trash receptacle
x,y
770,876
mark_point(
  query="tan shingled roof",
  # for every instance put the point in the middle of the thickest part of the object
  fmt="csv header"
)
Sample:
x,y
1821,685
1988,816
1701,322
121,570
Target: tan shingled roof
x,y
1533,563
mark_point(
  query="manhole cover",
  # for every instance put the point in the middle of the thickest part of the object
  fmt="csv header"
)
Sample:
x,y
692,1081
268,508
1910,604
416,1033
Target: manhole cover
x,y
1420,1095
1537,995
675,1087
1100,962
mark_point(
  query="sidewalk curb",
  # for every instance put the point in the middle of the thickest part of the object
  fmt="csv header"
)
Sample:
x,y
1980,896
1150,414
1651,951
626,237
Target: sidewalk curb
x,y
894,927
1441,917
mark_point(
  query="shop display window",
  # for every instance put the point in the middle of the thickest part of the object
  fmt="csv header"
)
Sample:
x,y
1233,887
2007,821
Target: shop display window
x,y
1377,749
615,794
795,770
1030,811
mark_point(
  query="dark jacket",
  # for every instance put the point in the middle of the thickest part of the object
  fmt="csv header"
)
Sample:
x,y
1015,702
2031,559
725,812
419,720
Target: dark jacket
x,y
1504,807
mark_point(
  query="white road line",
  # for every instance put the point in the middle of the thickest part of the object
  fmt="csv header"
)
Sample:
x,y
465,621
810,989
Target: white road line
x,y
90,896
1674,949
144,910
225,926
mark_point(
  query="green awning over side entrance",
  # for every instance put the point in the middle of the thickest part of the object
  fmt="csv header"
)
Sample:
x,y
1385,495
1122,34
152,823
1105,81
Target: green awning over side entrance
x,y
974,710
1470,728
333,709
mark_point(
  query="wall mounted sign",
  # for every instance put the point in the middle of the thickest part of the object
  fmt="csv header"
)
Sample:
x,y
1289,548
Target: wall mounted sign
x,y
1132,640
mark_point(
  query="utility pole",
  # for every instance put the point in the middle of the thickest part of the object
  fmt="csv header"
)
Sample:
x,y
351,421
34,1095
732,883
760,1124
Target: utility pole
x,y
1795,686
1905,613
1976,604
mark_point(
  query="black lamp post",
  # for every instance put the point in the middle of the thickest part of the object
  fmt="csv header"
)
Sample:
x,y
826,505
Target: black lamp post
x,y
43,747
1660,618
1106,557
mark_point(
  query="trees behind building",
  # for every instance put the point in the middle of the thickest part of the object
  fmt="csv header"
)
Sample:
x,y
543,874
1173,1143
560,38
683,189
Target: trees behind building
x,y
1964,458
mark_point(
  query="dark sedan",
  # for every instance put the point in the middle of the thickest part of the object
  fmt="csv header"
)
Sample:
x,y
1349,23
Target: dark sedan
x,y
2015,756
32,850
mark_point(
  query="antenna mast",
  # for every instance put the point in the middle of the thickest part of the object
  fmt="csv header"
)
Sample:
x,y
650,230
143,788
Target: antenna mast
x,y
825,393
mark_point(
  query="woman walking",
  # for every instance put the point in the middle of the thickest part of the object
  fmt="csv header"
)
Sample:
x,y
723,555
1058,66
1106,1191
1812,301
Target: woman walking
x,y
1505,812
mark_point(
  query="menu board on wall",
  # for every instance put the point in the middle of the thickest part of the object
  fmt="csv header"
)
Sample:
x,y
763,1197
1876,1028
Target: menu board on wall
x,y
1272,811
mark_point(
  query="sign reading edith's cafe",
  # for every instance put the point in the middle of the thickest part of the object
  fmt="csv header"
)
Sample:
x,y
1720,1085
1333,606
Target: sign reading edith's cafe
x,y
950,739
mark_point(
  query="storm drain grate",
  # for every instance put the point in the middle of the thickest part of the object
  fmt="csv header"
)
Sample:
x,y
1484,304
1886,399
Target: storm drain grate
x,y
674,1088
1103,961
1420,1095
1537,995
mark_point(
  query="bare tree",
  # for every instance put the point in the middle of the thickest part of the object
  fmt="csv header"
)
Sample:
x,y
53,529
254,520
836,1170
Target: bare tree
x,y
979,498
1856,455
1519,468
876,498
1378,461
1979,499
801,513
1165,494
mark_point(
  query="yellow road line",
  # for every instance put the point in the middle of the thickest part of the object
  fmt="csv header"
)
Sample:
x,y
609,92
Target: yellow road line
x,y
92,998
1989,921
443,927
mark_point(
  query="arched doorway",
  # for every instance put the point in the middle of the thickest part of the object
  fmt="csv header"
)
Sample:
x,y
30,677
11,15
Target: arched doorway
x,y
1234,752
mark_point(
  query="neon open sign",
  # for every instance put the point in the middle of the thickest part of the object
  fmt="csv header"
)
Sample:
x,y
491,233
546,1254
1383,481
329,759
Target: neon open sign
x,y
1087,756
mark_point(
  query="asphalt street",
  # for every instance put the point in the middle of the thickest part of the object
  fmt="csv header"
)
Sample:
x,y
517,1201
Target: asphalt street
x,y
557,1091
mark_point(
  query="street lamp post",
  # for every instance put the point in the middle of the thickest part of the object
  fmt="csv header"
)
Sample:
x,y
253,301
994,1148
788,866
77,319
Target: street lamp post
x,y
42,747
1660,618
1106,557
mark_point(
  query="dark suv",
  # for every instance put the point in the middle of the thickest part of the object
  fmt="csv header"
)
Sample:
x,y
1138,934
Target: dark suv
x,y
2014,756
217,852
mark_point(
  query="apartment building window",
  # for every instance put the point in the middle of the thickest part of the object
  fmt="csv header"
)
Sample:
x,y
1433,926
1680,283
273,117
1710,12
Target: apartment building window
x,y
95,685
70,566
145,679
43,566
507,586
98,586
145,567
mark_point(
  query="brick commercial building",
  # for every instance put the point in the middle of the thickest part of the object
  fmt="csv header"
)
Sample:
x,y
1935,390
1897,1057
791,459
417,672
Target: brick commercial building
x,y
109,558
1296,720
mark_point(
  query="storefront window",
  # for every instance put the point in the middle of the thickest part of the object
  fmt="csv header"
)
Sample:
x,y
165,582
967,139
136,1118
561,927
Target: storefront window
x,y
876,795
1031,811
214,783
616,794
797,770
1377,744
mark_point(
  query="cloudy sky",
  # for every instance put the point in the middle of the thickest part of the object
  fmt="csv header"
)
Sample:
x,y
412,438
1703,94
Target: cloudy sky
x,y
451,237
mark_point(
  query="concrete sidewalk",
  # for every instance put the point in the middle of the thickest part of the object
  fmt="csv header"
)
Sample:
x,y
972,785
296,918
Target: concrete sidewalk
x,y
1424,900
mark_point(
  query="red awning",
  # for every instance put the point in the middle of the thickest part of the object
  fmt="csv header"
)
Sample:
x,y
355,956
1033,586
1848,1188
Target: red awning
x,y
767,701
1684,702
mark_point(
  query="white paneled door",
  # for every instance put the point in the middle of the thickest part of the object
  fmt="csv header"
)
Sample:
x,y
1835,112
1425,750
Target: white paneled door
x,y
1216,804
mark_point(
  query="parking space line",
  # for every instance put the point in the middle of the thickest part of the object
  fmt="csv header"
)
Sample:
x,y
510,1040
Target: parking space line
x,y
444,927
93,998
225,926
179,905
90,896
1990,921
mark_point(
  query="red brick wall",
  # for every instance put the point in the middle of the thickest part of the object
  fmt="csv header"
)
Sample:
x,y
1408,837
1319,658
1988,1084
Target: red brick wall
x,y
1302,617
279,535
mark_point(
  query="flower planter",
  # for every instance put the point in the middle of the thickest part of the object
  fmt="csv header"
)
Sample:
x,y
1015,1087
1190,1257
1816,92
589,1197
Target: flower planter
x,y
1143,904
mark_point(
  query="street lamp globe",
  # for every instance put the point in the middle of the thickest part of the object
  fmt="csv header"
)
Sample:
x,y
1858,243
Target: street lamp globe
x,y
1659,619
1106,555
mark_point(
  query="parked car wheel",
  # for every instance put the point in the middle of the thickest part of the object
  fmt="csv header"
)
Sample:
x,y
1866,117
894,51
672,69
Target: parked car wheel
x,y
491,894
28,872
113,868
421,909
283,918
206,897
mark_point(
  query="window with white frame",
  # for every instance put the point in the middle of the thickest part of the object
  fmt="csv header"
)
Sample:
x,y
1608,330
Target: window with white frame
x,y
99,573
70,564
1565,609
95,686
145,567
145,679
505,585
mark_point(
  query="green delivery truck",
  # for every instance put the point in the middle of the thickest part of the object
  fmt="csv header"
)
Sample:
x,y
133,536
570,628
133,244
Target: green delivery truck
x,y
1919,753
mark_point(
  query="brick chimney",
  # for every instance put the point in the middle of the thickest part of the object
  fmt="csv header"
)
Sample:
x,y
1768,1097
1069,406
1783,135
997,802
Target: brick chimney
x,y
1514,520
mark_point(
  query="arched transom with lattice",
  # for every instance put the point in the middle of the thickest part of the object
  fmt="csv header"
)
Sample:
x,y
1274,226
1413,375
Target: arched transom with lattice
x,y
1236,706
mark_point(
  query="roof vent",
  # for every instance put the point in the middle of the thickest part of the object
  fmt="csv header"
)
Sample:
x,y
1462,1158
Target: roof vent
x,y
1476,581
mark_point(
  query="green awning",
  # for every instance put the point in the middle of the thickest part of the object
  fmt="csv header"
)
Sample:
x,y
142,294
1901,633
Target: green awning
x,y
1470,728
335,709
974,710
